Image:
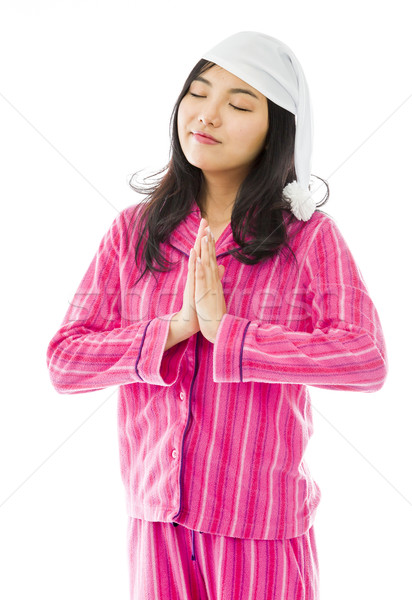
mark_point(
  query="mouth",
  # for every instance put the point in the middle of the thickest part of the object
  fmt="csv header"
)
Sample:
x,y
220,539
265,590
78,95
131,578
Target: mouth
x,y
205,135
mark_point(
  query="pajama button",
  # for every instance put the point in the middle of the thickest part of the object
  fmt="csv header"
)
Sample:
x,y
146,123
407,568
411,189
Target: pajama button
x,y
182,395
174,453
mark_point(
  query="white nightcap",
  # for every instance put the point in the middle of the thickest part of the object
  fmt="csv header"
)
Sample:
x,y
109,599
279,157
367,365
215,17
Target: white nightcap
x,y
270,66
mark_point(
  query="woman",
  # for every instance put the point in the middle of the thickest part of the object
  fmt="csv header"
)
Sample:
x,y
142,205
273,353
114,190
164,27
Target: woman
x,y
257,298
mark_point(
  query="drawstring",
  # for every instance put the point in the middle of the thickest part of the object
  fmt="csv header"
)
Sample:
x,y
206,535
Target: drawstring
x,y
193,541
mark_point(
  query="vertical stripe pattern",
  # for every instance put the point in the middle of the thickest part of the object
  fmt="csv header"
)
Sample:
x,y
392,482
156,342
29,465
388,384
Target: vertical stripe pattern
x,y
213,435
225,568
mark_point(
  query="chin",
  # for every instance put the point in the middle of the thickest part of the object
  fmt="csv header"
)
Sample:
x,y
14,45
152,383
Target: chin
x,y
204,165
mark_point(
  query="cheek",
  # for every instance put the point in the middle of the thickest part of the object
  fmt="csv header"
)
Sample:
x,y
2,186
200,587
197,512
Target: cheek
x,y
183,111
258,132
181,125
180,115
248,137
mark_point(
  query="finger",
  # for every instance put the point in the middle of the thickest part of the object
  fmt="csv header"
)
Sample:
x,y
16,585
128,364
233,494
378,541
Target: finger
x,y
192,256
192,278
212,254
199,274
200,234
212,247
205,251
207,263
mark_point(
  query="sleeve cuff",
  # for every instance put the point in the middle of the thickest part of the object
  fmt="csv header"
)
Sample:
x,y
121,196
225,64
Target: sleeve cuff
x,y
228,349
153,364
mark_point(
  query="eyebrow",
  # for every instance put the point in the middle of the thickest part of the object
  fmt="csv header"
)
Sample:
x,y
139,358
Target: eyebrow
x,y
231,91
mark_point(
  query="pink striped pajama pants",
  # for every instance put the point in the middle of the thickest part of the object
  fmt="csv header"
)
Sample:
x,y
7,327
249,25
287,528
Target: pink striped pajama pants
x,y
173,562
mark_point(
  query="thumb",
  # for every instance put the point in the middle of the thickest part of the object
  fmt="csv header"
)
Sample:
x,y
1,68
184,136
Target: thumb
x,y
221,270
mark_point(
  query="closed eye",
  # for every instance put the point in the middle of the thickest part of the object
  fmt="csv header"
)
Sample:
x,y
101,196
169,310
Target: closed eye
x,y
237,108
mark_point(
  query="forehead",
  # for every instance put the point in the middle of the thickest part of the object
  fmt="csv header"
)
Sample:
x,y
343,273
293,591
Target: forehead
x,y
218,76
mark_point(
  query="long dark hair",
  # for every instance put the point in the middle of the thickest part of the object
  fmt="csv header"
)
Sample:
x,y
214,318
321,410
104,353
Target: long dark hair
x,y
257,209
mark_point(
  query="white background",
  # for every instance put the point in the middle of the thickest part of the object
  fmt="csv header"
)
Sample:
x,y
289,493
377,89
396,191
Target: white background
x,y
86,93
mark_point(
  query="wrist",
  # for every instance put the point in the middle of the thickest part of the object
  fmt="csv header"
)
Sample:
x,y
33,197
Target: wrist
x,y
183,327
178,331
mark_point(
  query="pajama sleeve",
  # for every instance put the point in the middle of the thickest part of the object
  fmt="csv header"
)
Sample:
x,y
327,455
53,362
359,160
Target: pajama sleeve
x,y
345,349
92,351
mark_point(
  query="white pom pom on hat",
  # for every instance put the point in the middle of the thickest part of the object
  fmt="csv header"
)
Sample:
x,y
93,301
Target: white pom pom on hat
x,y
271,67
301,201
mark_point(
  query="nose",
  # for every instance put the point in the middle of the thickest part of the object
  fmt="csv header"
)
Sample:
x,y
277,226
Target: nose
x,y
206,120
210,115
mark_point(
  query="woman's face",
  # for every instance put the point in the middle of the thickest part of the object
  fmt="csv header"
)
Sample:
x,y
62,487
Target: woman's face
x,y
214,109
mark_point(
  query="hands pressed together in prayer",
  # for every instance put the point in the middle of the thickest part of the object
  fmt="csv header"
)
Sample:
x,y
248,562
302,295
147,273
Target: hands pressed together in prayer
x,y
203,300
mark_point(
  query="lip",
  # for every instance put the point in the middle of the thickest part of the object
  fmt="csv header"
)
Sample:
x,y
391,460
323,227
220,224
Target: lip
x,y
204,138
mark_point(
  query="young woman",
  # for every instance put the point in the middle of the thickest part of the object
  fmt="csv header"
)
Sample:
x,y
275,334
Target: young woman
x,y
254,296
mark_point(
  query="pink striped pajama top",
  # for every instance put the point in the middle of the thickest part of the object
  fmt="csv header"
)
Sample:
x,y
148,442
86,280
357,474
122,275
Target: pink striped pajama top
x,y
213,436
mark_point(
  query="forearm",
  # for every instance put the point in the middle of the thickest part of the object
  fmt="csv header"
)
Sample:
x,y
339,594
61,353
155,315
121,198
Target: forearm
x,y
343,356
178,331
81,360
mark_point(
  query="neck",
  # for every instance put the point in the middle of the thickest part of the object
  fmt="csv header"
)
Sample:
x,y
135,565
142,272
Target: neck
x,y
216,199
